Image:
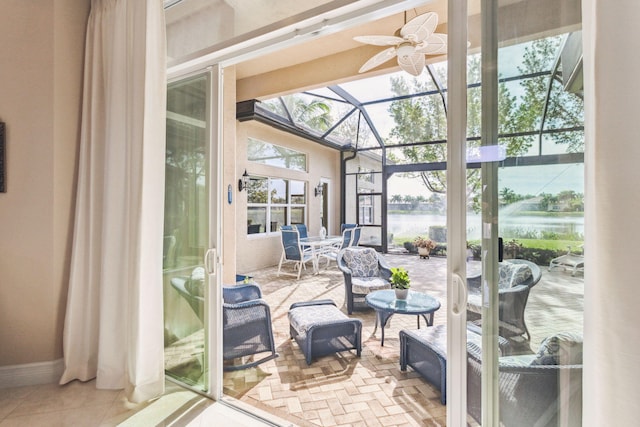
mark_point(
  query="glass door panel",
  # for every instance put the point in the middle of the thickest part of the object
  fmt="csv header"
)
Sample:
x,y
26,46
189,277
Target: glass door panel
x,y
525,214
186,230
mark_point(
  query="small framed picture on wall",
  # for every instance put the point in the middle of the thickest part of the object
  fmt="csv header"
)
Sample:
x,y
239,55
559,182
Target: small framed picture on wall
x,y
3,183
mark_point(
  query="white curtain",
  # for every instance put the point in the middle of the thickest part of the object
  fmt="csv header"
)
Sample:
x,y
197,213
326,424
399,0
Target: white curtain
x,y
113,327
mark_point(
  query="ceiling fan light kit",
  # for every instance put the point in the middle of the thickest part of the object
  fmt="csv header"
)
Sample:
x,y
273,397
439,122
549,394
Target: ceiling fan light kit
x,y
405,50
411,43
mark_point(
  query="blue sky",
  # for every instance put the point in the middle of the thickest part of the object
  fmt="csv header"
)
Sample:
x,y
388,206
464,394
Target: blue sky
x,y
543,179
521,179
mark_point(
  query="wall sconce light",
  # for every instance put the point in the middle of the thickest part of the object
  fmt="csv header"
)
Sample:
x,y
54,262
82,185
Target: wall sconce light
x,y
243,182
318,189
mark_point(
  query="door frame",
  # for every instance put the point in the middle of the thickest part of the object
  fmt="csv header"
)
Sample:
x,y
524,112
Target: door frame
x,y
267,40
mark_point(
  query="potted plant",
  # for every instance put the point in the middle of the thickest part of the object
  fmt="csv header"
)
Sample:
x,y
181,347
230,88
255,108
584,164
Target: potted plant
x,y
400,282
424,246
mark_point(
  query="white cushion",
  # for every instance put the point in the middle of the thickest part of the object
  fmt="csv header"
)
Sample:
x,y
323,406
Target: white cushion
x,y
563,348
364,285
304,317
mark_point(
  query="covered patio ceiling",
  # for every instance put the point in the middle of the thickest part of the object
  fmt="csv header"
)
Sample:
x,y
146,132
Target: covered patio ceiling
x,y
325,71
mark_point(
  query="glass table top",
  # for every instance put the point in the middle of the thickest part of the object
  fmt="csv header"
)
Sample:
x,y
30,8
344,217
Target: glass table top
x,y
416,302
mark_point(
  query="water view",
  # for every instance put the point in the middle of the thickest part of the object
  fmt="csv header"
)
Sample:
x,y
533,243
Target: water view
x,y
510,226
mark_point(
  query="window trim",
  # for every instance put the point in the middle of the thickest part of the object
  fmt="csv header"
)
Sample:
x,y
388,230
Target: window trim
x,y
288,205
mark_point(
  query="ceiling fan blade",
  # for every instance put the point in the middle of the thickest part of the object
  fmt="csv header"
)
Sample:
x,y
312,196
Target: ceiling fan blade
x,y
420,27
435,44
413,64
378,59
379,40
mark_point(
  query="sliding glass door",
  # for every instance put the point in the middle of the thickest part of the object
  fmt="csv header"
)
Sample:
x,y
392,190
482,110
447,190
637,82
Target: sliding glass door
x,y
187,231
515,162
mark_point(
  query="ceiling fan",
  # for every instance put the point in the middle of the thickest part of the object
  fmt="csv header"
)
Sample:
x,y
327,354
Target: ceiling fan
x,y
410,44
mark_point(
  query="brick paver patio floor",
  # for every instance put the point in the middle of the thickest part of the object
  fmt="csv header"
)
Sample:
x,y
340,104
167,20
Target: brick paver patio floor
x,y
344,390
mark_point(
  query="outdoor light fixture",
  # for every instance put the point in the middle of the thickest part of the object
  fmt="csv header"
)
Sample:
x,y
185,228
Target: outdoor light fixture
x,y
244,181
318,189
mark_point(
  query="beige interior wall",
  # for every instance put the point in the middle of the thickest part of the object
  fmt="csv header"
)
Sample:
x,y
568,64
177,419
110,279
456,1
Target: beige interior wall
x,y
41,50
612,105
259,251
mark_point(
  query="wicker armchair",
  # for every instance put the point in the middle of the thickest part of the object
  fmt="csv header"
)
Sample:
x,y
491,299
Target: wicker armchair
x,y
246,319
246,326
513,296
364,271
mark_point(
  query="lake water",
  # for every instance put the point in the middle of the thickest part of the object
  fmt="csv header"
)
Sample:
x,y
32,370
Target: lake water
x,y
412,225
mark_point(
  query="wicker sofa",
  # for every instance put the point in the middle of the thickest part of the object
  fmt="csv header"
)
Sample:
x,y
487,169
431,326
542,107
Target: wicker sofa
x,y
517,277
541,390
425,350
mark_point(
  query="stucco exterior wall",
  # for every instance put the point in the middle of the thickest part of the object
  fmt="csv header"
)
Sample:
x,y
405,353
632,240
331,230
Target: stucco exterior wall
x,y
260,250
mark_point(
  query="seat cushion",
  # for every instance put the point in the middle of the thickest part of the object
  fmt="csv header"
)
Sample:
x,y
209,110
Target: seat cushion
x,y
195,283
362,262
305,317
512,274
505,272
365,285
435,338
520,274
563,348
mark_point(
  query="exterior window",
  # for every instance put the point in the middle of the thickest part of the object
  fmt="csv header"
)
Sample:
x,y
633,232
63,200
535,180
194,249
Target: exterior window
x,y
365,214
272,202
365,175
273,155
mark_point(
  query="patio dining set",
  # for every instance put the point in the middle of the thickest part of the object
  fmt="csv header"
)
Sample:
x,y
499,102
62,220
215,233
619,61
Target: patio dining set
x,y
299,248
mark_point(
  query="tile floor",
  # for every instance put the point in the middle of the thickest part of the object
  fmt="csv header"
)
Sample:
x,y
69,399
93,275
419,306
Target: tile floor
x,y
80,404
336,390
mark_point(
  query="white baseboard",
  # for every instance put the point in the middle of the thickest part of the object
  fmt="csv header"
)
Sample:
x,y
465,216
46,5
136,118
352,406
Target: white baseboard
x,y
31,374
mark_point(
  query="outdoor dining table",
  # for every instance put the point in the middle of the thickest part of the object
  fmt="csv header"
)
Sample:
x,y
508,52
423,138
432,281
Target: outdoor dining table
x,y
319,245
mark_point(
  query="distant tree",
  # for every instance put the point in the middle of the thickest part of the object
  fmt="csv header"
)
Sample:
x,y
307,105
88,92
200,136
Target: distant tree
x,y
423,119
508,196
407,198
547,200
314,113
565,109
396,198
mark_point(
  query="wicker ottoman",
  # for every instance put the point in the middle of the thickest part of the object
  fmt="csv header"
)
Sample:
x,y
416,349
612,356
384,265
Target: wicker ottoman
x,y
425,350
320,328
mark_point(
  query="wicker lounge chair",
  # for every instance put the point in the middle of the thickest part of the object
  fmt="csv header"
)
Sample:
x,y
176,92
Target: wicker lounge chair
x,y
573,262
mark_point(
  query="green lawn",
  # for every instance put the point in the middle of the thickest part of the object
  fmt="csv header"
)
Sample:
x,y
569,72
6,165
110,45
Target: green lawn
x,y
551,244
